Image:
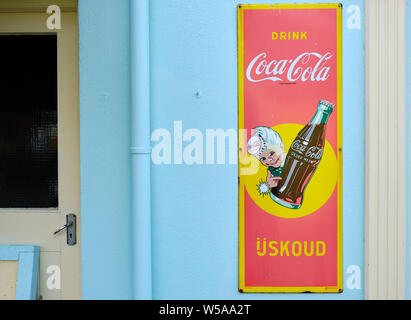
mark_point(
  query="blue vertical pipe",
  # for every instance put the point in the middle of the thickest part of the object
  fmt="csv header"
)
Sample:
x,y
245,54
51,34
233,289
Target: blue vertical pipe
x,y
140,148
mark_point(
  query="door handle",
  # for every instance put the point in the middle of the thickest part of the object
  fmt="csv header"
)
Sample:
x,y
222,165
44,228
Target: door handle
x,y
71,229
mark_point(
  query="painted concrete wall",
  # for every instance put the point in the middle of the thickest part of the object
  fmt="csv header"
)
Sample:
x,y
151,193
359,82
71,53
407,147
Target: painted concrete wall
x,y
105,142
194,208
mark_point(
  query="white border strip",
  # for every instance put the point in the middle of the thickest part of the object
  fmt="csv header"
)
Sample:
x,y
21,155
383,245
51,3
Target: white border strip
x,y
386,148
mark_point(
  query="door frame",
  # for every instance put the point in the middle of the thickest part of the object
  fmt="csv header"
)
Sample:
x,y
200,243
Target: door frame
x,y
67,52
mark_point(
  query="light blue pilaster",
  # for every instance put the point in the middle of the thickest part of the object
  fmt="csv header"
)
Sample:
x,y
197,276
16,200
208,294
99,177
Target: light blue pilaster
x,y
104,62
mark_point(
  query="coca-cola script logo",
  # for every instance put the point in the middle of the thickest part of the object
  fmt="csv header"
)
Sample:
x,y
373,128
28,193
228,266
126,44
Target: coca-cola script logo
x,y
313,153
308,66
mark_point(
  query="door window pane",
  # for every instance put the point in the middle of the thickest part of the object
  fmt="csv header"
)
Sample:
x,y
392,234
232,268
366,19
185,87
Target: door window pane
x,y
28,121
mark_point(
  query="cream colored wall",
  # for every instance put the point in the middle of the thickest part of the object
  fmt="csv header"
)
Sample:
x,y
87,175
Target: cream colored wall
x,y
385,234
8,279
36,6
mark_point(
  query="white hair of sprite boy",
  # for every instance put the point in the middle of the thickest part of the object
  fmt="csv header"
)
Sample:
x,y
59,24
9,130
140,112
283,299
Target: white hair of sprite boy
x,y
263,139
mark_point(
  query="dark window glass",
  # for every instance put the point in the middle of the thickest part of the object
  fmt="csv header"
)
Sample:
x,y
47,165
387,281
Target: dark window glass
x,y
28,121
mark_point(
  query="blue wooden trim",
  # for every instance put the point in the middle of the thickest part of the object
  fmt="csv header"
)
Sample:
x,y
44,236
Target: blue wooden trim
x,y
28,268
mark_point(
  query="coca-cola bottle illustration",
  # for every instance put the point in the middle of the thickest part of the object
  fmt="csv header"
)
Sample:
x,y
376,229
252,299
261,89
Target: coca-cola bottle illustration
x,y
303,159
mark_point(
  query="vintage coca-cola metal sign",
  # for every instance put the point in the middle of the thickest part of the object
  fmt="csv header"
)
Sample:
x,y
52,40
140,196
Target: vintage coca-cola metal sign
x,y
290,148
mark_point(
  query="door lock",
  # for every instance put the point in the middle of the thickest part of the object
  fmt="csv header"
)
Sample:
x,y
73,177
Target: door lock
x,y
71,229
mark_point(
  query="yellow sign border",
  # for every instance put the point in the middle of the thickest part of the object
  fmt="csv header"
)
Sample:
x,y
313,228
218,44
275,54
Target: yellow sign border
x,y
241,235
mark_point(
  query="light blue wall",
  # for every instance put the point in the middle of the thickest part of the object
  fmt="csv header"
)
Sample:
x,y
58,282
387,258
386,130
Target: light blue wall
x,y
104,154
195,225
194,208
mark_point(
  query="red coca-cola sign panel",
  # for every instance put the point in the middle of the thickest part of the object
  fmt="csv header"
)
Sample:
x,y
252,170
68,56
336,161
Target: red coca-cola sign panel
x,y
290,148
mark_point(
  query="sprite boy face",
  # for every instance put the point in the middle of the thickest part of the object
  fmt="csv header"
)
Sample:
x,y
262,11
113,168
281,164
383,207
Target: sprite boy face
x,y
273,157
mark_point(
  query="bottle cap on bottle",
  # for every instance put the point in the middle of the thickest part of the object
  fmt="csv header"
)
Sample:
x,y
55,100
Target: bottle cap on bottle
x,y
327,104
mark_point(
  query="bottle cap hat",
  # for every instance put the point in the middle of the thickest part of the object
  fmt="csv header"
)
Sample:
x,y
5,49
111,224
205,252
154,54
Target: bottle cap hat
x,y
256,146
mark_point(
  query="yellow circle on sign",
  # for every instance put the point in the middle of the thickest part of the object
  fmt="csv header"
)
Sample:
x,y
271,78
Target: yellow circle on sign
x,y
317,192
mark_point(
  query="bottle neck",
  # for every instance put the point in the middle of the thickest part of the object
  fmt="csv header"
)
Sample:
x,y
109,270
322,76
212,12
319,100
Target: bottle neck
x,y
320,117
